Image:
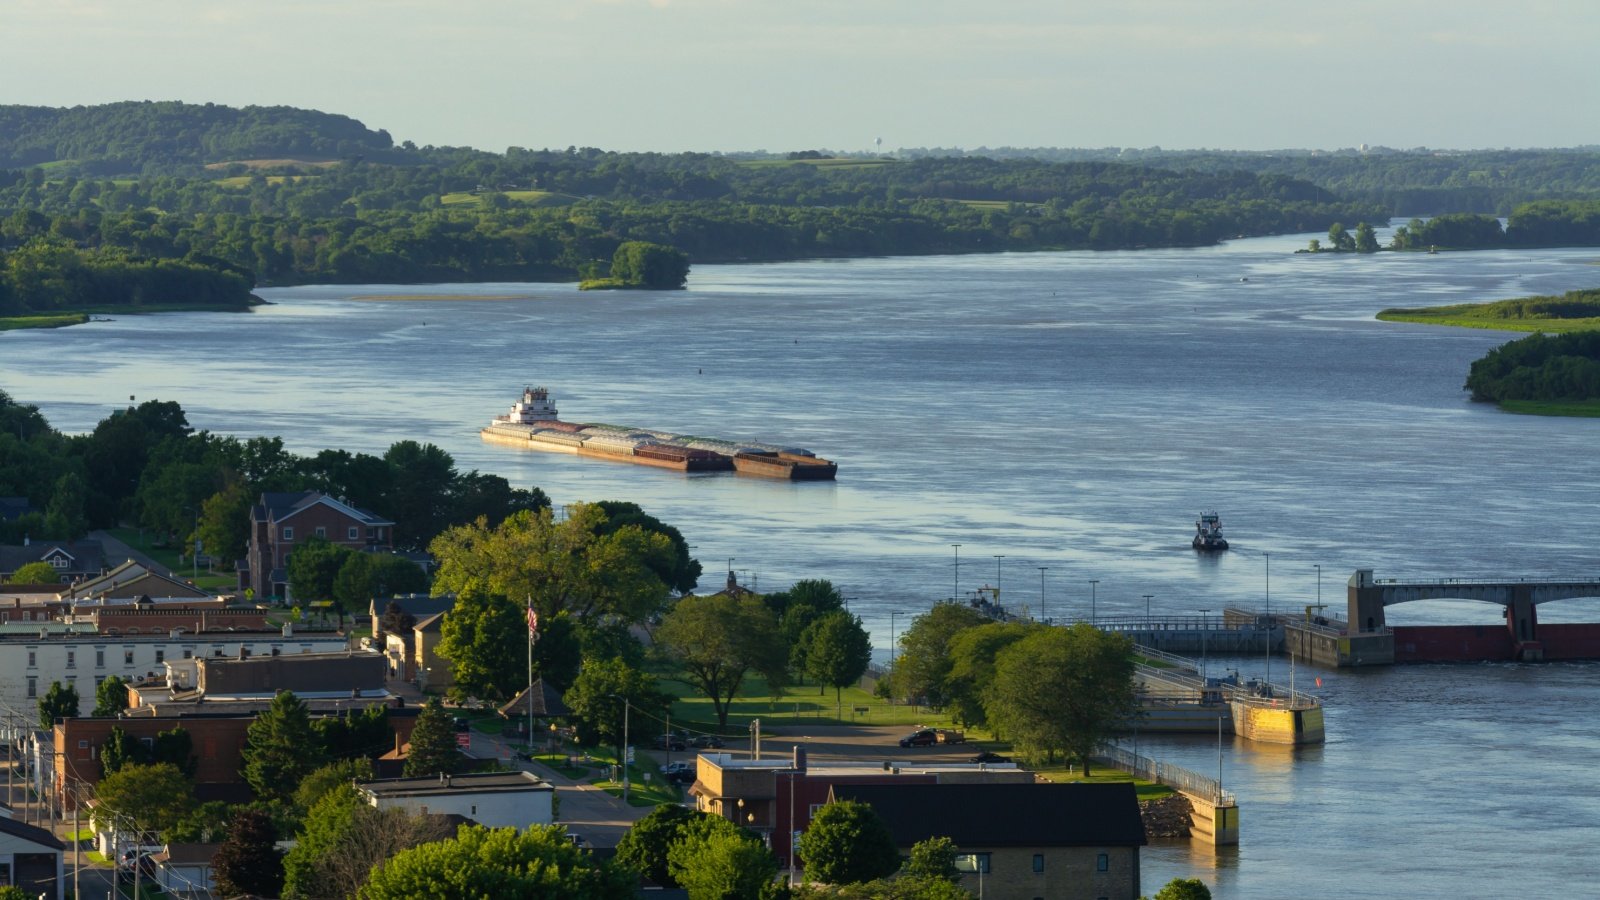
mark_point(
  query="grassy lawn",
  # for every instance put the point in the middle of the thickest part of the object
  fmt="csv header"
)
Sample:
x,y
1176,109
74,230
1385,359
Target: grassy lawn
x,y
558,761
647,787
1574,311
1147,790
239,181
144,542
796,706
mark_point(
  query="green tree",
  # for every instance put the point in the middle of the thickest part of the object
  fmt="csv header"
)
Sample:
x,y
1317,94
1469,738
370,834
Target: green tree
x,y
119,750
1184,889
313,566
715,859
847,842
485,637
149,798
921,669
972,654
837,651
904,887
680,572
720,639
433,743
281,748
645,845
225,524
643,264
331,777
421,481
1366,239
249,862
1315,246
38,572
357,733
1063,690
571,566
1340,238
600,696
206,822
537,864
57,703
110,697
933,858
343,838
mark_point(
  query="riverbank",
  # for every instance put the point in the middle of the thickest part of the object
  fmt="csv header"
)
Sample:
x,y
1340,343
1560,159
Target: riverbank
x,y
101,313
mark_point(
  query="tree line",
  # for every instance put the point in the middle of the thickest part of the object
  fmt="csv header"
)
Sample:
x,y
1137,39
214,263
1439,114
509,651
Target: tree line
x,y
1563,367
48,275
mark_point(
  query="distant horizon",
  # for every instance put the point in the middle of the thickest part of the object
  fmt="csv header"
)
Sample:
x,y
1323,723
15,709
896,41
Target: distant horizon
x,y
685,75
1372,148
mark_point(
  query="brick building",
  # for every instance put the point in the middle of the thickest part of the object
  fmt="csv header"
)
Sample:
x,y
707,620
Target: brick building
x,y
281,521
777,796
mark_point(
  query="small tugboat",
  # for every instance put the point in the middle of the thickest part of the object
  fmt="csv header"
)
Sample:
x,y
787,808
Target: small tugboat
x,y
1208,532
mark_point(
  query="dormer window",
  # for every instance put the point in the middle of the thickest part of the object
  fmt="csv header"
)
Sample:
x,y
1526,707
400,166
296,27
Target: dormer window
x,y
59,562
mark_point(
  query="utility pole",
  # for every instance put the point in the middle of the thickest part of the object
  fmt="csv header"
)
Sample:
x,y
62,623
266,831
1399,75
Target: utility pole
x,y
1042,570
627,749
955,591
1147,609
1093,583
997,558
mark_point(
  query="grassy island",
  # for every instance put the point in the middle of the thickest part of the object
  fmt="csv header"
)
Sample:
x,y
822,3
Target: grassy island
x,y
1553,372
1572,311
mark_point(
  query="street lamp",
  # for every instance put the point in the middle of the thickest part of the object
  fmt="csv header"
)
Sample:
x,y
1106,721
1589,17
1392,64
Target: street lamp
x,y
626,750
892,643
194,561
1268,557
1092,590
847,602
1147,610
955,593
1204,627
1042,570
1318,567
997,558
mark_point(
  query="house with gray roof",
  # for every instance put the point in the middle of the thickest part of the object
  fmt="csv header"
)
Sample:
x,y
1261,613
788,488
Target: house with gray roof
x,y
282,521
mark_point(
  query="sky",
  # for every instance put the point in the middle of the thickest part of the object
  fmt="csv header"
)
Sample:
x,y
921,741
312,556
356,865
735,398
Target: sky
x,y
731,75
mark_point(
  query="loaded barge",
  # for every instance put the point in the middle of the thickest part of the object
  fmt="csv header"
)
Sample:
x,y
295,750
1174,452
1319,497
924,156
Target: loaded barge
x,y
533,423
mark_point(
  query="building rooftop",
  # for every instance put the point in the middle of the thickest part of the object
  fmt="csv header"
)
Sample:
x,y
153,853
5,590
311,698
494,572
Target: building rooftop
x,y
471,783
1005,815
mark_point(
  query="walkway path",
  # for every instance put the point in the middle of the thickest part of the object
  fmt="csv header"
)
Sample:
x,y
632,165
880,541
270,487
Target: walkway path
x,y
585,809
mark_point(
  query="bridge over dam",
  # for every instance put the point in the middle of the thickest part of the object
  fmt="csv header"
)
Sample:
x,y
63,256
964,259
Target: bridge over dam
x,y
1364,637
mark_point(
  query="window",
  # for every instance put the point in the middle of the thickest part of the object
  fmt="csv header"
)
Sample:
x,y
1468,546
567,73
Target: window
x,y
127,657
99,680
33,687
322,532
99,659
288,532
475,806
353,534
72,659
33,659
188,654
161,657
83,745
59,562
1102,862
1038,862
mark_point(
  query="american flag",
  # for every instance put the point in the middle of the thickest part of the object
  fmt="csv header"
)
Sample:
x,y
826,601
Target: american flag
x,y
533,622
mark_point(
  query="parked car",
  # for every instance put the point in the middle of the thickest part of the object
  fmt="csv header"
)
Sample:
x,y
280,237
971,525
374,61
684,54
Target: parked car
x,y
671,742
707,742
579,841
462,724
927,737
988,757
679,766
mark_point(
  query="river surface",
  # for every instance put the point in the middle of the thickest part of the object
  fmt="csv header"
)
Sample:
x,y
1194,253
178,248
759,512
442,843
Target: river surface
x,y
1067,410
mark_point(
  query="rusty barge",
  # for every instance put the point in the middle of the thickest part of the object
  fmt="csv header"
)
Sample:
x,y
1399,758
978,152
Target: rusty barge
x,y
533,423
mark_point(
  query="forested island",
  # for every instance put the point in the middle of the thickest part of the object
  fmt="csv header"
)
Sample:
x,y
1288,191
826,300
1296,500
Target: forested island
x,y
1555,371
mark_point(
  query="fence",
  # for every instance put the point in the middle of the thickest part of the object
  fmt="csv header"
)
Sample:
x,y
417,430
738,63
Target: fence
x,y
1176,777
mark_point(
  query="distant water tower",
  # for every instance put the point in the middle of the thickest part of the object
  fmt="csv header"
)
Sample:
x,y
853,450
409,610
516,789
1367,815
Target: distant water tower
x,y
877,146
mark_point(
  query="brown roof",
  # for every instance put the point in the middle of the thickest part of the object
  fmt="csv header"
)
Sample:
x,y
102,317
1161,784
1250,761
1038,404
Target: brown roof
x,y
298,672
547,702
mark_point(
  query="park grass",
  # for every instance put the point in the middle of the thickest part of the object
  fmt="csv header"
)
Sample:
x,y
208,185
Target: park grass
x,y
992,204
1589,409
172,558
642,791
1104,774
800,705
273,163
239,181
58,320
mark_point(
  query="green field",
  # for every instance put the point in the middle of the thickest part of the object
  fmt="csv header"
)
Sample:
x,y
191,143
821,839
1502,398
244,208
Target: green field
x,y
1574,311
239,181
991,204
1147,790
530,198
800,705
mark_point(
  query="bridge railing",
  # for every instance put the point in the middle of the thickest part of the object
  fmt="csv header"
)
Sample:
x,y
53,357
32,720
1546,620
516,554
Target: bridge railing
x,y
1166,623
1173,776
1182,663
1479,582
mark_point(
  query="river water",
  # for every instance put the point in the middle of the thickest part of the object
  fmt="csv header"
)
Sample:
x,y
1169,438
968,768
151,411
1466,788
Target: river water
x,y
1067,410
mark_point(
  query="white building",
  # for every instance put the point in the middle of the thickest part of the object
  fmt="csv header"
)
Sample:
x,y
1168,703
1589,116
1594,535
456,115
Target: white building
x,y
494,799
30,662
30,858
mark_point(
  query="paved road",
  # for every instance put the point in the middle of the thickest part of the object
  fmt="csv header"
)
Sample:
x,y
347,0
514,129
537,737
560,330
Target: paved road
x,y
585,809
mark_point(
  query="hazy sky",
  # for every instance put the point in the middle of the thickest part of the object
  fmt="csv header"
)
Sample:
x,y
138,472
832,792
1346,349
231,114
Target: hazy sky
x,y
788,74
